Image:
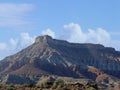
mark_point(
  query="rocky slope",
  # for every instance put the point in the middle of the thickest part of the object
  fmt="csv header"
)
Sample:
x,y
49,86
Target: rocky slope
x,y
49,56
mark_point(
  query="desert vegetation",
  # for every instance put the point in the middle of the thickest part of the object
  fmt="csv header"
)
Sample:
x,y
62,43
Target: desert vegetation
x,y
58,84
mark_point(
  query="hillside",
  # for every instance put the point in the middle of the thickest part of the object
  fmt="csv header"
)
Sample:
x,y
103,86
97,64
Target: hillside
x,y
48,56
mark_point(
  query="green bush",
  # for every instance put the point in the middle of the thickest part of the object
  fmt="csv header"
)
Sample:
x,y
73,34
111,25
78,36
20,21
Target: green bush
x,y
0,86
59,83
46,84
10,87
31,85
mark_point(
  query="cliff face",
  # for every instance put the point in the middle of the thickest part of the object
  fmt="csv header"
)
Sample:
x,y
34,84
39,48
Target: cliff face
x,y
49,56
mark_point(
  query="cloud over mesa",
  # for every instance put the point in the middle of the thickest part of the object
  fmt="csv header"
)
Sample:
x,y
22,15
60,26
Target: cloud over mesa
x,y
48,32
71,32
15,45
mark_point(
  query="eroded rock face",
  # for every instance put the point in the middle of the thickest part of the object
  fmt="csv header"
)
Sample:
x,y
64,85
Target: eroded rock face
x,y
49,56
43,39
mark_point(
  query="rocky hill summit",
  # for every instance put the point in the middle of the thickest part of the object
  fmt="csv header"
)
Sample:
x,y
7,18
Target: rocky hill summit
x,y
48,56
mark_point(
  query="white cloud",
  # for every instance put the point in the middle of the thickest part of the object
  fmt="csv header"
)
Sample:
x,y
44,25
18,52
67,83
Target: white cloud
x,y
73,33
48,32
115,44
98,36
115,33
2,46
12,14
13,42
26,39
15,45
14,9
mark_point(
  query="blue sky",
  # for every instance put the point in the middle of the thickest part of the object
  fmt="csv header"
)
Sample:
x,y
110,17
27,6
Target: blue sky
x,y
81,21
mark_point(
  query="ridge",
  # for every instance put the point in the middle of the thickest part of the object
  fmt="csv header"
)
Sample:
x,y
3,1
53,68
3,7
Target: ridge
x,y
43,39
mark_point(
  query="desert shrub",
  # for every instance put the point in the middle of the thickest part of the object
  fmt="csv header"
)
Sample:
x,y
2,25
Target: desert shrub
x,y
28,85
58,83
94,85
91,88
31,85
24,85
46,84
10,87
0,86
